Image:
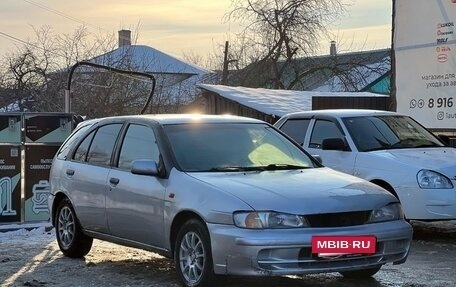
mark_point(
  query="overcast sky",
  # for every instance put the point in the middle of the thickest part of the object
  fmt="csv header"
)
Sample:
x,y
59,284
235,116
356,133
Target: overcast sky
x,y
178,26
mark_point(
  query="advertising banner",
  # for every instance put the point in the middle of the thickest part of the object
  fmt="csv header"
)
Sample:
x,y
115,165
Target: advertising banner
x,y
10,128
424,44
10,183
47,128
38,159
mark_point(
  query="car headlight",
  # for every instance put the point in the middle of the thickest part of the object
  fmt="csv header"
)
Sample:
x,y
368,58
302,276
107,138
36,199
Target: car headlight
x,y
387,213
268,219
431,179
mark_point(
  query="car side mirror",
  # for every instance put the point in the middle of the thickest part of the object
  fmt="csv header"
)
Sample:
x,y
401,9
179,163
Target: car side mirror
x,y
334,144
144,167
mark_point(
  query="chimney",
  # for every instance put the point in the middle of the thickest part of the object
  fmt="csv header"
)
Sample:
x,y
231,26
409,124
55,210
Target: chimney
x,y
332,49
124,38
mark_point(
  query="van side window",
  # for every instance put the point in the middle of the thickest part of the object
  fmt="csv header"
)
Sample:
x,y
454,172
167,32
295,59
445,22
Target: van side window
x,y
296,129
83,148
100,151
324,129
68,144
139,143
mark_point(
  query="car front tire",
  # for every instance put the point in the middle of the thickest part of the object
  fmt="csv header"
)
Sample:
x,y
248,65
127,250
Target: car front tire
x,y
72,241
363,273
193,256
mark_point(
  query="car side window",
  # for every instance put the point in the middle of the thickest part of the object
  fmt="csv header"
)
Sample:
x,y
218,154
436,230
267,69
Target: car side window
x,y
66,147
102,145
83,148
296,129
324,129
139,143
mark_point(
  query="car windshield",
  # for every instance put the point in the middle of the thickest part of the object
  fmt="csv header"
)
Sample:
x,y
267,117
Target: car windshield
x,y
388,132
233,147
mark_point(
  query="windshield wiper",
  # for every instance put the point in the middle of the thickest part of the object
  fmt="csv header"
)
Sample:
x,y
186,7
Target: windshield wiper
x,y
429,145
414,143
282,166
405,143
396,146
373,149
274,166
234,168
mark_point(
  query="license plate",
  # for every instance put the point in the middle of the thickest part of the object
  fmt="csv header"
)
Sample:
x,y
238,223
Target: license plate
x,y
340,245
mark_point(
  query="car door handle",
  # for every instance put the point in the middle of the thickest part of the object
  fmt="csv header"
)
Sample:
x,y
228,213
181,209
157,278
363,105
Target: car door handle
x,y
114,180
70,172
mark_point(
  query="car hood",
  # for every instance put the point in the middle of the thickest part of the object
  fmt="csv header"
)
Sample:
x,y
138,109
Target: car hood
x,y
308,191
440,159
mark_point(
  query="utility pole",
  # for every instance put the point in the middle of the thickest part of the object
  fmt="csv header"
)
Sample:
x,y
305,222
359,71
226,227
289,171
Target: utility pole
x,y
225,65
392,98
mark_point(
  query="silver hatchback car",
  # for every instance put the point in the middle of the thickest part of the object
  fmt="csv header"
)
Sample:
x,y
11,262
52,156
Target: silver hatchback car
x,y
219,195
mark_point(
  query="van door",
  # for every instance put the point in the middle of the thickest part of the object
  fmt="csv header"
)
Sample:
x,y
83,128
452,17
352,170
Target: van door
x,y
135,203
336,159
86,175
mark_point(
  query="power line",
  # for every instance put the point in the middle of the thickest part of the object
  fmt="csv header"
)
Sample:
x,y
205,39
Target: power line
x,y
64,15
9,37
15,39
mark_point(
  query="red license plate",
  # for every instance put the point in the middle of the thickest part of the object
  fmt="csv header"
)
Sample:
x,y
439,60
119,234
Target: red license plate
x,y
336,245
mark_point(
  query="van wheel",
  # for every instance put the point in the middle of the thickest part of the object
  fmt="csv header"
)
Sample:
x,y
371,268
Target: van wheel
x,y
72,241
193,256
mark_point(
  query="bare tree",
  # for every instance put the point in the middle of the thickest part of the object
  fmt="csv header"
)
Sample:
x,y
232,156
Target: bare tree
x,y
24,70
34,74
283,30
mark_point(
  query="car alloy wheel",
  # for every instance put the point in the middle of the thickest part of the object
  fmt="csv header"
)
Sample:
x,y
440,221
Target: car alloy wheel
x,y
70,237
66,226
192,257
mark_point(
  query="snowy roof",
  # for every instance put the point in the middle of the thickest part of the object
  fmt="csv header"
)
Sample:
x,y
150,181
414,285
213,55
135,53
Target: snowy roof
x,y
351,72
356,78
147,59
276,102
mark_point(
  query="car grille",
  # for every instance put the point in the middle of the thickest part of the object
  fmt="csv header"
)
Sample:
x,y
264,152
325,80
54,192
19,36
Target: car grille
x,y
338,219
302,261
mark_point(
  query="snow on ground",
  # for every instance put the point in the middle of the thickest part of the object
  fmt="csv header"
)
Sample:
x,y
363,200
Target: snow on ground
x,y
32,258
37,234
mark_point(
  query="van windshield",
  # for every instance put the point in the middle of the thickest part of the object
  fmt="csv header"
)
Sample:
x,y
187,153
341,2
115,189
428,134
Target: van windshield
x,y
389,132
231,147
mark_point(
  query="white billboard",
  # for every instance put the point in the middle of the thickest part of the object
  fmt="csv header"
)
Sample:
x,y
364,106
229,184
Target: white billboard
x,y
425,51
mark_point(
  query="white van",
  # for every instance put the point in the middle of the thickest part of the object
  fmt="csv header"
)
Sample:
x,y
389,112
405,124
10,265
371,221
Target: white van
x,y
386,148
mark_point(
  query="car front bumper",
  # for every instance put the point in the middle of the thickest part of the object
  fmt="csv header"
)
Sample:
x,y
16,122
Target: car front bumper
x,y
428,204
288,251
